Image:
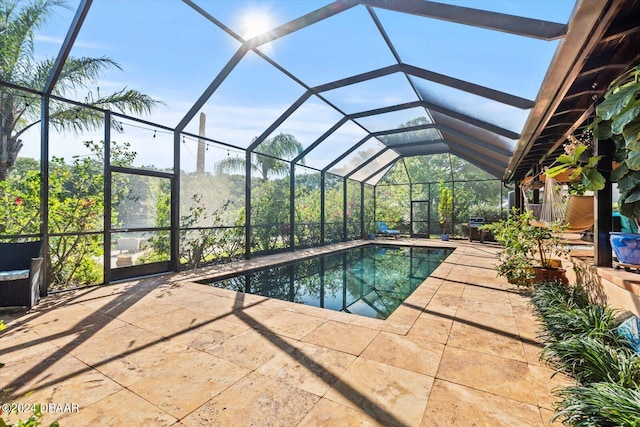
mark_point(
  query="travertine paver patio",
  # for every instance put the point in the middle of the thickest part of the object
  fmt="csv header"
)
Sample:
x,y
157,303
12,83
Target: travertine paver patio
x,y
166,351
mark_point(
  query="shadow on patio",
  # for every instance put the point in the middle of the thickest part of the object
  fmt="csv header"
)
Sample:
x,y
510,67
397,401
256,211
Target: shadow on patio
x,y
461,350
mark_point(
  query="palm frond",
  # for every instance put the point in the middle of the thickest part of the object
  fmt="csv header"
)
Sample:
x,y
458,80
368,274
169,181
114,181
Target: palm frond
x,y
16,42
76,119
77,72
231,164
126,101
282,146
37,76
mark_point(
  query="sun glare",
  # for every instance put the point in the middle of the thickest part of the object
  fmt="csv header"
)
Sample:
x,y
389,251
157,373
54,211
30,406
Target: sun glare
x,y
254,23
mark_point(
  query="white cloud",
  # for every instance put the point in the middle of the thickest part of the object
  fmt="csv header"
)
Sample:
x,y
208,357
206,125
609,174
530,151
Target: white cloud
x,y
58,41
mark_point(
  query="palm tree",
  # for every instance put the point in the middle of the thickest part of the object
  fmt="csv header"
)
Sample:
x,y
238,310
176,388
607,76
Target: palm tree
x,y
282,146
19,110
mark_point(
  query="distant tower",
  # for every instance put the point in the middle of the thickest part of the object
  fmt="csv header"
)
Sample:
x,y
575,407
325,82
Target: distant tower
x,y
201,146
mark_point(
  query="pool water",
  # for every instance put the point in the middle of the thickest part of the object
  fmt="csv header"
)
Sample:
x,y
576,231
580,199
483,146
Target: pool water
x,y
371,280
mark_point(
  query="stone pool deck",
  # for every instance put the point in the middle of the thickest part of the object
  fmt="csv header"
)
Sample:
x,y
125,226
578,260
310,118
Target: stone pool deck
x,y
164,351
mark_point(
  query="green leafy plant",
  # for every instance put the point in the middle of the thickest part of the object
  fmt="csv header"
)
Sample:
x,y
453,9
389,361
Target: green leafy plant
x,y
445,206
584,174
19,111
265,162
76,210
589,359
525,246
604,404
581,340
514,260
618,119
556,306
199,243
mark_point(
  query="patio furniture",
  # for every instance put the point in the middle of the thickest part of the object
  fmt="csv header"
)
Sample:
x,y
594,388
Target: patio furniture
x,y
474,232
20,273
384,230
576,213
128,244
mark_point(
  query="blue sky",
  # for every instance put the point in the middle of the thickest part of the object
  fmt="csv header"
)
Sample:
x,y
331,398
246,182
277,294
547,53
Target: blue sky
x,y
169,51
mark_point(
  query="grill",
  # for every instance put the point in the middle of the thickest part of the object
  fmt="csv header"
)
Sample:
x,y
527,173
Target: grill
x,y
474,233
476,222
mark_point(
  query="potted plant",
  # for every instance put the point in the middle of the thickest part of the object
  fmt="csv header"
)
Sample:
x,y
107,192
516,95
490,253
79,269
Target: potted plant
x,y
577,167
618,119
445,208
530,253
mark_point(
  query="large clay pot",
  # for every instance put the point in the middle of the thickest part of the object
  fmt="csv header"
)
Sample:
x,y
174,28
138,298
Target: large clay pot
x,y
626,246
124,261
550,275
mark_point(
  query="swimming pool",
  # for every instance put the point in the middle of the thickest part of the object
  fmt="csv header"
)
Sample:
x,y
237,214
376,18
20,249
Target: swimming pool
x,y
371,280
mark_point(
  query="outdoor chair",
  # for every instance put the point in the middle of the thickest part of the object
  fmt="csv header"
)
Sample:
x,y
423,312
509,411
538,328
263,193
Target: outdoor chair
x,y
128,244
20,273
384,230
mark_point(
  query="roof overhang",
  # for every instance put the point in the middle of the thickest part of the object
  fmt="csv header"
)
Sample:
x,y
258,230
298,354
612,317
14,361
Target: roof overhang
x,y
603,39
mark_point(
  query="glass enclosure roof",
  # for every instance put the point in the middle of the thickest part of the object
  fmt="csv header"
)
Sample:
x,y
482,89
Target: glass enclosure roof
x,y
358,83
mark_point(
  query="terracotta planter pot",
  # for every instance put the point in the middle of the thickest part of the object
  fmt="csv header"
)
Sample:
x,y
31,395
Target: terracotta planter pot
x,y
124,261
555,263
563,176
549,275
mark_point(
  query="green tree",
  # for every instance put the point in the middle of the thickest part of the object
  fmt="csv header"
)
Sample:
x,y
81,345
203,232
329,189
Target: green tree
x,y
445,206
20,111
270,221
198,245
333,209
76,210
282,146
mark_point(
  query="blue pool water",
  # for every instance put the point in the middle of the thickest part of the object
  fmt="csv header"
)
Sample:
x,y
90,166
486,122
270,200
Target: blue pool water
x,y
370,280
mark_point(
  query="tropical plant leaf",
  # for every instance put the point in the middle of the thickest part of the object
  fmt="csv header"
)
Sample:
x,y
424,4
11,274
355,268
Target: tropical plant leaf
x,y
633,160
593,161
618,173
576,173
595,180
554,171
577,152
616,102
633,145
626,116
631,132
601,129
629,182
632,196
631,210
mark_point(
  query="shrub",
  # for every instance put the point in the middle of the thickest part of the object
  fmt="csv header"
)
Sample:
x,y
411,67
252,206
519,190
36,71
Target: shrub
x,y
600,404
581,340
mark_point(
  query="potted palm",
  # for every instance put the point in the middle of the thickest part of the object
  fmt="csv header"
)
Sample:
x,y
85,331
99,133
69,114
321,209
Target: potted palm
x,y
445,208
618,119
